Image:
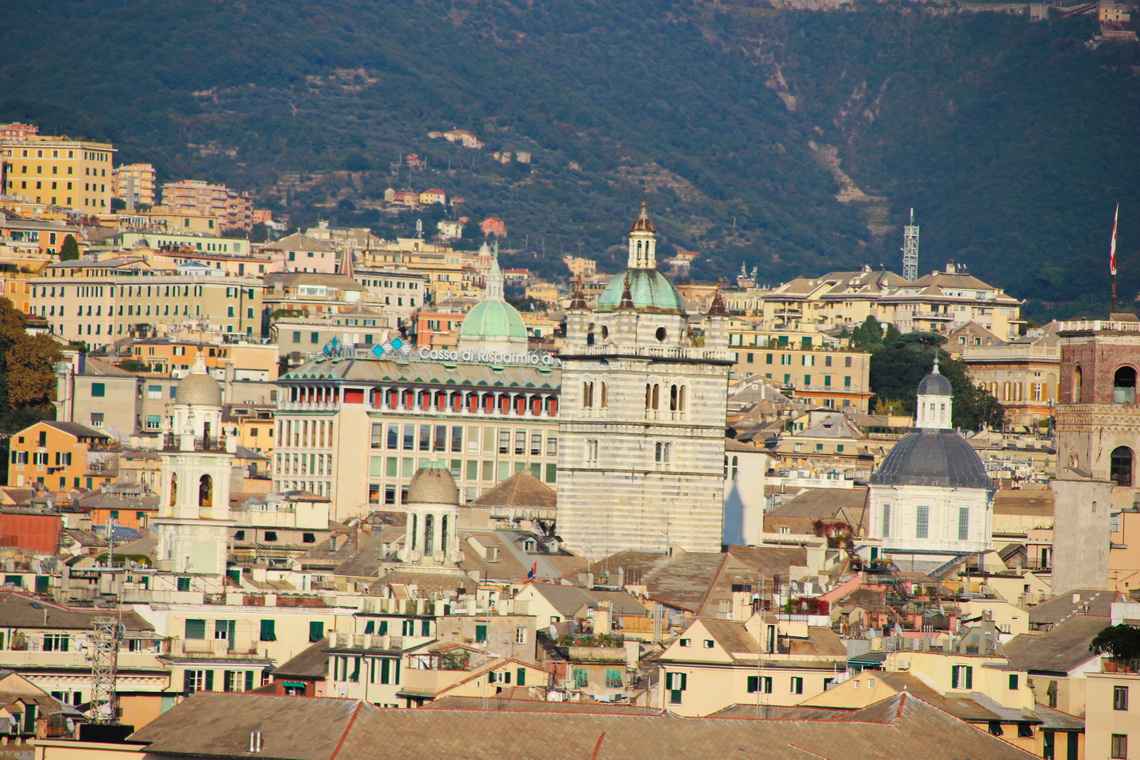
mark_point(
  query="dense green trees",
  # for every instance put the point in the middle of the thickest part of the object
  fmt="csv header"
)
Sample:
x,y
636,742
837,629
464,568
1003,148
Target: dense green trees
x,y
27,376
898,365
69,251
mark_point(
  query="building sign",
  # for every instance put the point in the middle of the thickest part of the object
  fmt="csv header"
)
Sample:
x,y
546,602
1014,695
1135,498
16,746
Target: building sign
x,y
530,359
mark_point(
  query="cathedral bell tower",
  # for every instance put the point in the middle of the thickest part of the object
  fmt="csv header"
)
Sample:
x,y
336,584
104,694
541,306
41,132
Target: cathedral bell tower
x,y
641,427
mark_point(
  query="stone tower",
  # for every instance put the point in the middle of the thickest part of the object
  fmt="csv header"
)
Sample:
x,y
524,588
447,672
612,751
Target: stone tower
x,y
641,427
193,522
1098,428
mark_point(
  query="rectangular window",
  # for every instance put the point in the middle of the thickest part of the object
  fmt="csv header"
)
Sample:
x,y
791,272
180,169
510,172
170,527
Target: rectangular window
x,y
581,678
269,630
962,677
316,630
1013,682
195,629
1119,697
56,642
922,522
1118,749
963,523
759,684
797,685
886,521
481,632
613,679
504,441
520,441
98,390
377,434
520,635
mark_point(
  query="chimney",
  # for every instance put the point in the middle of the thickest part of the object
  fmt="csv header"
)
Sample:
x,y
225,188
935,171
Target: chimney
x,y
254,742
602,624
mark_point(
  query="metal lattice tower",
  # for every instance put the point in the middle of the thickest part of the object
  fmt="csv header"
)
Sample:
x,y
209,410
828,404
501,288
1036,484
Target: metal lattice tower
x,y
910,250
104,669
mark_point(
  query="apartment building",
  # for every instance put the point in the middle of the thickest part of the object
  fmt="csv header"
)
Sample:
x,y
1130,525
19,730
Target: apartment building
x,y
804,364
134,184
308,336
98,303
192,246
400,290
485,421
62,455
231,208
59,171
939,302
1024,375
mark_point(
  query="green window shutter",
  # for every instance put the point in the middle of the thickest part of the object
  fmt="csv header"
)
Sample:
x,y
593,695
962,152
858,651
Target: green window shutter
x,y
969,677
195,629
954,676
480,633
98,390
316,630
268,630
520,677
248,680
209,680
383,627
226,679
183,584
425,628
753,684
581,677
370,626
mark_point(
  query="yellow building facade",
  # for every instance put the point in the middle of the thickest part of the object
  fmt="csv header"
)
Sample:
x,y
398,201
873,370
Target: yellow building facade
x,y
60,171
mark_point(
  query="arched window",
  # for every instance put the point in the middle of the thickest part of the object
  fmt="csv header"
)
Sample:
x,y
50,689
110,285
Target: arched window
x,y
173,489
1124,386
1120,466
415,530
429,528
206,491
605,397
1078,379
674,400
587,395
590,334
443,534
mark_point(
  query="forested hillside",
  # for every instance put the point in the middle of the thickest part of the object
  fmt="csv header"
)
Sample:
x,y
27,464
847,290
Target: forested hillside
x,y
1012,139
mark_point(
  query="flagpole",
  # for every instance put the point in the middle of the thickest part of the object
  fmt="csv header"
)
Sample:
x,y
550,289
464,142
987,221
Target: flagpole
x,y
1112,258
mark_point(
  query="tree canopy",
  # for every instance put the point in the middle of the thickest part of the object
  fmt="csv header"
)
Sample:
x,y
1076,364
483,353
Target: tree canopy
x,y
899,365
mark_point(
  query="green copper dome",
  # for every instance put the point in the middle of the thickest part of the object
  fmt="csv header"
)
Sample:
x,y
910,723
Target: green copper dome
x,y
493,320
650,289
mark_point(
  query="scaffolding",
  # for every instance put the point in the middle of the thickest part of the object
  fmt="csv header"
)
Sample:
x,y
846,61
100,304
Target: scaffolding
x,y
104,669
910,250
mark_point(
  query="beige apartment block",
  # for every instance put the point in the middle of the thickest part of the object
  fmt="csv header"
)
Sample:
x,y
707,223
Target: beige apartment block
x,y
97,303
823,374
60,171
714,664
1112,713
231,208
135,184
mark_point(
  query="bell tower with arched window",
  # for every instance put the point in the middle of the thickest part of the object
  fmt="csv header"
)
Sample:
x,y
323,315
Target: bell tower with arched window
x,y
641,426
193,522
1098,440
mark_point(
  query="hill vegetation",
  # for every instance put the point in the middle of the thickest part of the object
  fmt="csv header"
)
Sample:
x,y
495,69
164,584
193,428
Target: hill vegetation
x,y
1011,138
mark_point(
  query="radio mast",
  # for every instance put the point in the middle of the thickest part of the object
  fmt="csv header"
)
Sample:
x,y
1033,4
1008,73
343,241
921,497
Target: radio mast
x,y
910,250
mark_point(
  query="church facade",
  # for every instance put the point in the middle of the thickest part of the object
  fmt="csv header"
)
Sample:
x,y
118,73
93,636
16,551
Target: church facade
x,y
641,428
